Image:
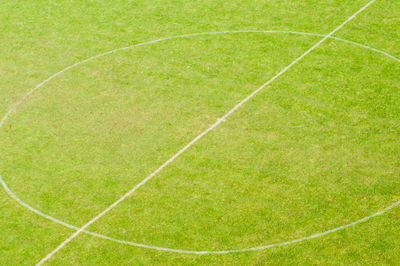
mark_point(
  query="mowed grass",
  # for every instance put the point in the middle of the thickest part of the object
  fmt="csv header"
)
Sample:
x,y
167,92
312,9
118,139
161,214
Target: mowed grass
x,y
316,149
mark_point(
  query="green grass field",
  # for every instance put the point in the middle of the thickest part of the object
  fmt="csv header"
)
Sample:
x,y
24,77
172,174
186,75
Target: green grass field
x,y
317,149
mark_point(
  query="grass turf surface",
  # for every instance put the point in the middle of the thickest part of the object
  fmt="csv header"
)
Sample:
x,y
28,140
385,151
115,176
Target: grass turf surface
x,y
316,149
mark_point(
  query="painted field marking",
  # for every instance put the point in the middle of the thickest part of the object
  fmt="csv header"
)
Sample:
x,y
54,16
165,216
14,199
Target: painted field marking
x,y
144,181
19,201
221,251
24,204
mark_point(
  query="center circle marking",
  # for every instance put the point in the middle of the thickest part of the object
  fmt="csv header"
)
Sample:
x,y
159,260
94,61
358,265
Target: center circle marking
x,y
14,107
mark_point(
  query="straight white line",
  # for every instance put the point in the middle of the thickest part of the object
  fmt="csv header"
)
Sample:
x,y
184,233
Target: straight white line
x,y
394,205
144,181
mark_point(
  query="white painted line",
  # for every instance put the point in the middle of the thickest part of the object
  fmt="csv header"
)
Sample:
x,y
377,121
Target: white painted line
x,y
218,251
144,181
18,200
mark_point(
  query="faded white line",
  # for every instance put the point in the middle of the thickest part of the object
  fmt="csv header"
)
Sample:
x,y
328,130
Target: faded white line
x,y
218,251
144,181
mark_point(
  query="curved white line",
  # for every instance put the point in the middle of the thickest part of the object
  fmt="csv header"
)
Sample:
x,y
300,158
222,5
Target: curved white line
x,y
18,200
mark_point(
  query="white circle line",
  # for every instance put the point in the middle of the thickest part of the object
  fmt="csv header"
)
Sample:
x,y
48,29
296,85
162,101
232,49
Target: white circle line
x,y
24,97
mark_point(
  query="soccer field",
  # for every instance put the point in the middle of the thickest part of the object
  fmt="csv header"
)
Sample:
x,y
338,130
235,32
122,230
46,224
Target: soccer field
x,y
200,132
